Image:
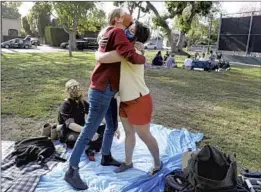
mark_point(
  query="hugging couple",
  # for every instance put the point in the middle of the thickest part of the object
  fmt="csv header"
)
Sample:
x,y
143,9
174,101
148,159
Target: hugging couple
x,y
119,72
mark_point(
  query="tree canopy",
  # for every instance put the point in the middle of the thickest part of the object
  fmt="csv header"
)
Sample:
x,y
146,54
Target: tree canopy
x,y
10,10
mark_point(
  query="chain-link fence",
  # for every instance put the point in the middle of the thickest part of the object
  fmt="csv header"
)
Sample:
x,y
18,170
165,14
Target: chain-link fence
x,y
240,32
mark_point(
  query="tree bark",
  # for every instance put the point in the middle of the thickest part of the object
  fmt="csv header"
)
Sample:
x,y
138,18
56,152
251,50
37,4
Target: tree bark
x,y
172,42
138,14
181,41
70,43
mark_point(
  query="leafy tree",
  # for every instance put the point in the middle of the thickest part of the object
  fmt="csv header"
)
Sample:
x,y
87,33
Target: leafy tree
x,y
76,15
9,10
184,11
174,8
26,26
140,6
39,17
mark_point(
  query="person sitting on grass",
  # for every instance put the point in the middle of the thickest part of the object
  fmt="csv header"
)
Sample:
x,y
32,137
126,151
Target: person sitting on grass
x,y
166,56
170,62
71,119
158,60
188,63
203,58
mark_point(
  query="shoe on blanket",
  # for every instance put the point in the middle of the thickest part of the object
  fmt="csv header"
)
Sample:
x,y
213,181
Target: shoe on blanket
x,y
108,160
123,167
72,177
154,170
90,154
46,130
54,134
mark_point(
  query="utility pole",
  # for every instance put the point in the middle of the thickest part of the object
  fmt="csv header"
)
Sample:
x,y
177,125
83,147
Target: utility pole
x,y
209,31
1,23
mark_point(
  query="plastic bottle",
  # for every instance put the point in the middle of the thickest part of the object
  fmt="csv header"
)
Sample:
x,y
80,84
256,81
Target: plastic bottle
x,y
185,157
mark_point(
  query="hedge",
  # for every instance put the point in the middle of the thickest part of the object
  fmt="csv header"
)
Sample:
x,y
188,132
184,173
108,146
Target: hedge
x,y
55,36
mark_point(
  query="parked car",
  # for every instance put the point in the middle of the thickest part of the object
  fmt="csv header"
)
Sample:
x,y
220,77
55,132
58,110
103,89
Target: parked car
x,y
91,43
80,44
35,41
85,43
16,43
150,46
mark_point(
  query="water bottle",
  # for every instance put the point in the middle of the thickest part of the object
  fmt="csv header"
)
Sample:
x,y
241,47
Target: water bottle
x,y
185,157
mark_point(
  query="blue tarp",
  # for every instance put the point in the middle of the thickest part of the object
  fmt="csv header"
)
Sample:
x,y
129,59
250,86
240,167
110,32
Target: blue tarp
x,y
172,143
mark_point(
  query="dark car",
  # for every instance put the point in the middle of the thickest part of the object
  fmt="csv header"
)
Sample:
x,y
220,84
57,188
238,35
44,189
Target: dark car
x,y
85,43
16,43
80,44
91,43
35,41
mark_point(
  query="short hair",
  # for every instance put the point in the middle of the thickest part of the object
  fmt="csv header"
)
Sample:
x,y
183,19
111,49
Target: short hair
x,y
113,14
142,32
189,56
70,83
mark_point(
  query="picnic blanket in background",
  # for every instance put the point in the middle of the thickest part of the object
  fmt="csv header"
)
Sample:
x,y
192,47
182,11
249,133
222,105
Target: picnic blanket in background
x,y
172,143
24,178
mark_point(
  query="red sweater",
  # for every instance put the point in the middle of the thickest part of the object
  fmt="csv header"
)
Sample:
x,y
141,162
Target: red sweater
x,y
105,73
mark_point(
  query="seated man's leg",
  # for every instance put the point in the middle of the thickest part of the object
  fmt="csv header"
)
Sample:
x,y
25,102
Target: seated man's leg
x,y
71,139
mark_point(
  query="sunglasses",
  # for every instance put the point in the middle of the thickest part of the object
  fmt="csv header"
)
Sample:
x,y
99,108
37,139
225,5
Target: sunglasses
x,y
74,87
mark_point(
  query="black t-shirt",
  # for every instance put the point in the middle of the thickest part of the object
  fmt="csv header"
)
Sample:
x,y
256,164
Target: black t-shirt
x,y
72,112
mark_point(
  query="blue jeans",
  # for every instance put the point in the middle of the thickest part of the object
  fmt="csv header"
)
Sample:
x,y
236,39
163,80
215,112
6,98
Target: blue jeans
x,y
100,107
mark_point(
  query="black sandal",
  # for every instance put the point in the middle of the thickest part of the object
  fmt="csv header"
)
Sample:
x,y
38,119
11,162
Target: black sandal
x,y
154,171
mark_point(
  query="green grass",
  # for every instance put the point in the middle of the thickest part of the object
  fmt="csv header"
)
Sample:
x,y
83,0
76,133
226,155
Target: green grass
x,y
224,106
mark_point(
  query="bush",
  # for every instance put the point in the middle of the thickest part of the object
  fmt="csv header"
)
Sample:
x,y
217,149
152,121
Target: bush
x,y
55,36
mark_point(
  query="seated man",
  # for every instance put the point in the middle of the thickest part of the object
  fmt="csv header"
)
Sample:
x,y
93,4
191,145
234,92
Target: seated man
x,y
158,60
188,63
71,119
170,62
203,58
166,56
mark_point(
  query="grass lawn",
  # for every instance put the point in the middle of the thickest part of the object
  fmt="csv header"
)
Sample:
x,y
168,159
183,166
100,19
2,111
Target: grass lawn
x,y
224,106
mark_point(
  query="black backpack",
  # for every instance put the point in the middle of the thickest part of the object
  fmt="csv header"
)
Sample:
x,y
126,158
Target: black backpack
x,y
34,149
209,170
212,170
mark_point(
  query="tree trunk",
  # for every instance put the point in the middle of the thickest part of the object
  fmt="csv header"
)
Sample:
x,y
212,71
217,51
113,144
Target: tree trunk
x,y
181,40
138,14
70,43
172,43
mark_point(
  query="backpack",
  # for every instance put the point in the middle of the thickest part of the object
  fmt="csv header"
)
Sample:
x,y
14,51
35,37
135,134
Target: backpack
x,y
212,170
33,149
209,170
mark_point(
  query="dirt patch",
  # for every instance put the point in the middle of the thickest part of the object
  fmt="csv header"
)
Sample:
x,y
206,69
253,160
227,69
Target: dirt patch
x,y
15,128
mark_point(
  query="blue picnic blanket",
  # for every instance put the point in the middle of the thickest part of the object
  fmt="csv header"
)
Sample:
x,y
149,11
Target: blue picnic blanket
x,y
172,143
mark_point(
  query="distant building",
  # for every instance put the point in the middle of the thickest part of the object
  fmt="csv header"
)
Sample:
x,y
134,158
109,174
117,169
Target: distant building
x,y
11,28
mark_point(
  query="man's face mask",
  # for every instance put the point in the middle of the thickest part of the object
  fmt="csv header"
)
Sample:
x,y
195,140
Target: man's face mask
x,y
74,92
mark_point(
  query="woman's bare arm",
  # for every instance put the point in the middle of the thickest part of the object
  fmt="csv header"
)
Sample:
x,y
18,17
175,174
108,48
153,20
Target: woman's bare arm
x,y
108,57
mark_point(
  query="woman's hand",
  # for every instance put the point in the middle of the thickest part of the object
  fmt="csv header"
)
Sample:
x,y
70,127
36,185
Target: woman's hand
x,y
95,137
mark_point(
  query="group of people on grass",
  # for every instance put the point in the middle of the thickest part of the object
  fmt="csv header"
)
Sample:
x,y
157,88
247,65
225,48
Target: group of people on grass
x,y
119,73
213,62
169,60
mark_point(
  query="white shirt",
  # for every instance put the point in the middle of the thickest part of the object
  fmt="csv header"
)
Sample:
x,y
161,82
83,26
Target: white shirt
x,y
188,62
